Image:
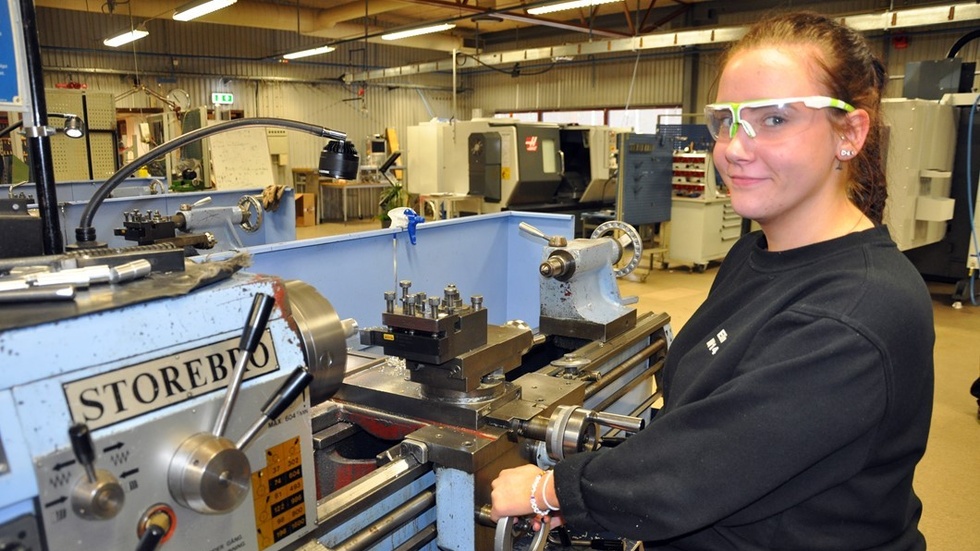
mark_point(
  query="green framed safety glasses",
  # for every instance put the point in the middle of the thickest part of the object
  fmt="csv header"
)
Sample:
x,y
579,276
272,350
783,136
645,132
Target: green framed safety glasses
x,y
767,119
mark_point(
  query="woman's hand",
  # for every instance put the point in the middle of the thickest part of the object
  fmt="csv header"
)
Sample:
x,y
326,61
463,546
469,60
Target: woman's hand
x,y
511,494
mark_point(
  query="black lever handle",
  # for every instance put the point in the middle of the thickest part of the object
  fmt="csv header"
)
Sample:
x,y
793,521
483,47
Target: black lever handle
x,y
255,325
151,538
282,398
83,448
286,394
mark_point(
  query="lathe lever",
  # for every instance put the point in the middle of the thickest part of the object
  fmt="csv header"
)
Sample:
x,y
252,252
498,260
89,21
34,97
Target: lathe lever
x,y
281,399
552,241
83,448
209,473
155,528
151,539
98,496
254,327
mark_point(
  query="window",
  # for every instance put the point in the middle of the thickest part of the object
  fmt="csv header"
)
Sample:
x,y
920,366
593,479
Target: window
x,y
526,116
641,121
595,117
548,148
644,121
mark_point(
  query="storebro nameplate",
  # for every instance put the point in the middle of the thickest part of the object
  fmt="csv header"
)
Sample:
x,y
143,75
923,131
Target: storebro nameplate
x,y
115,396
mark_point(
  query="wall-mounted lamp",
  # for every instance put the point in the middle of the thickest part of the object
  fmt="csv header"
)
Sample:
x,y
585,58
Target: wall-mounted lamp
x,y
74,127
310,52
197,8
417,31
125,37
573,4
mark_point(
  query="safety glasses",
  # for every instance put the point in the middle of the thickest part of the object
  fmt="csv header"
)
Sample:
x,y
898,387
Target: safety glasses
x,y
768,120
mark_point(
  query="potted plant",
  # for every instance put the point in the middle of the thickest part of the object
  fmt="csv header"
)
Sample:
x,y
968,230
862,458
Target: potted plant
x,y
393,196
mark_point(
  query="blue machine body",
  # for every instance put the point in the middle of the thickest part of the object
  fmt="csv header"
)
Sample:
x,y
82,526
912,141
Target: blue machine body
x,y
149,375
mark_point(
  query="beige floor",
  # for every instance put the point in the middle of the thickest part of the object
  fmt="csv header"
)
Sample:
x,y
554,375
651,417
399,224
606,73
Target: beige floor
x,y
948,478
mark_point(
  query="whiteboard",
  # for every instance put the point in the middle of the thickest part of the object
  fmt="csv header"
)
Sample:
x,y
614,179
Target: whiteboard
x,y
240,159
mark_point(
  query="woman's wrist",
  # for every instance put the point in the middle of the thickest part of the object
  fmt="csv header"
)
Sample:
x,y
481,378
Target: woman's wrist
x,y
542,481
549,482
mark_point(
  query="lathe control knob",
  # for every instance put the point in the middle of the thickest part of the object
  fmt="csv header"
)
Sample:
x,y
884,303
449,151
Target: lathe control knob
x,y
97,496
209,474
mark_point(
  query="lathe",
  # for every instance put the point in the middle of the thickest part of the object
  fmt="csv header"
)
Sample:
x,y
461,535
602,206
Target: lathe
x,y
215,409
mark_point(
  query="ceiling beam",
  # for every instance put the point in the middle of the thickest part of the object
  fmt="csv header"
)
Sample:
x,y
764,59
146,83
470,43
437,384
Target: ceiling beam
x,y
516,14
881,21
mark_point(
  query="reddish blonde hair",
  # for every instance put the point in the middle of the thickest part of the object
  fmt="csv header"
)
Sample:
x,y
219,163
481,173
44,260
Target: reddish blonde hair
x,y
850,71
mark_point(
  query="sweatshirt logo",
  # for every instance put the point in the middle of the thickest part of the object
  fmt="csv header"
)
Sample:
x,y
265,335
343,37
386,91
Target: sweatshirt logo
x,y
715,344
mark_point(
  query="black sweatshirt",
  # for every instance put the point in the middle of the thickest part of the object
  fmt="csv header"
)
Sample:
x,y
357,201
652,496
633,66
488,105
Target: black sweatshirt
x,y
797,404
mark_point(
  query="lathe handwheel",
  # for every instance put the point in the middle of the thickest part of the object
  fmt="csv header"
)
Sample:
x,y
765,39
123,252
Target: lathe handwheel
x,y
248,203
503,537
633,237
507,532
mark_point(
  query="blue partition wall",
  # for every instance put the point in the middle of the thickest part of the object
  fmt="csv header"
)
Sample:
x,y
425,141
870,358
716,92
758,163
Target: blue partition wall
x,y
134,194
482,255
277,226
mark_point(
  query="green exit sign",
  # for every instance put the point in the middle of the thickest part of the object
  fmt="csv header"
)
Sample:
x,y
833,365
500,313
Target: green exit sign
x,y
222,98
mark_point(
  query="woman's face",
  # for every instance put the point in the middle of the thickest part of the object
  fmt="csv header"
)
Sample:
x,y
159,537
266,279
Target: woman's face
x,y
782,178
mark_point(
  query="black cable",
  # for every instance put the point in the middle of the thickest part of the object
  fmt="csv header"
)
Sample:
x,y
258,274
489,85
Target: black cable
x,y
11,128
513,72
963,40
85,233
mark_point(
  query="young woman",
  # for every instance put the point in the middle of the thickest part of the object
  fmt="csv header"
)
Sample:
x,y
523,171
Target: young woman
x,y
798,397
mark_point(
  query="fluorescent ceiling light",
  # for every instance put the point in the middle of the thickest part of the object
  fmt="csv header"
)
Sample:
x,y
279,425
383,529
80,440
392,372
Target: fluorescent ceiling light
x,y
310,52
415,32
125,38
193,10
573,4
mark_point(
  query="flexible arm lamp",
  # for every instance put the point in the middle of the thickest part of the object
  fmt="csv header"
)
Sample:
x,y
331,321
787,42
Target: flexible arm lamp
x,y
74,126
338,159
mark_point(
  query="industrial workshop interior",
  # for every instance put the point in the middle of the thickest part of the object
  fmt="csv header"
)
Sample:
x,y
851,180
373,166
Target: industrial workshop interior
x,y
321,274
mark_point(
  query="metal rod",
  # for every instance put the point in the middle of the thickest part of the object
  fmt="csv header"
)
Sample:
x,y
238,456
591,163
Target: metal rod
x,y
389,523
254,327
640,411
355,498
618,371
599,354
419,541
625,389
39,143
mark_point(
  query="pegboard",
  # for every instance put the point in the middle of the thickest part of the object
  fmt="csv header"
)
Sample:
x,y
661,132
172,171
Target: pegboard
x,y
63,101
644,183
69,158
97,109
103,157
100,111
94,155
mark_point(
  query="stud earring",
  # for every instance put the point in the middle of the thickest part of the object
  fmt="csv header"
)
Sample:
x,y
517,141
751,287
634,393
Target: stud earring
x,y
846,153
